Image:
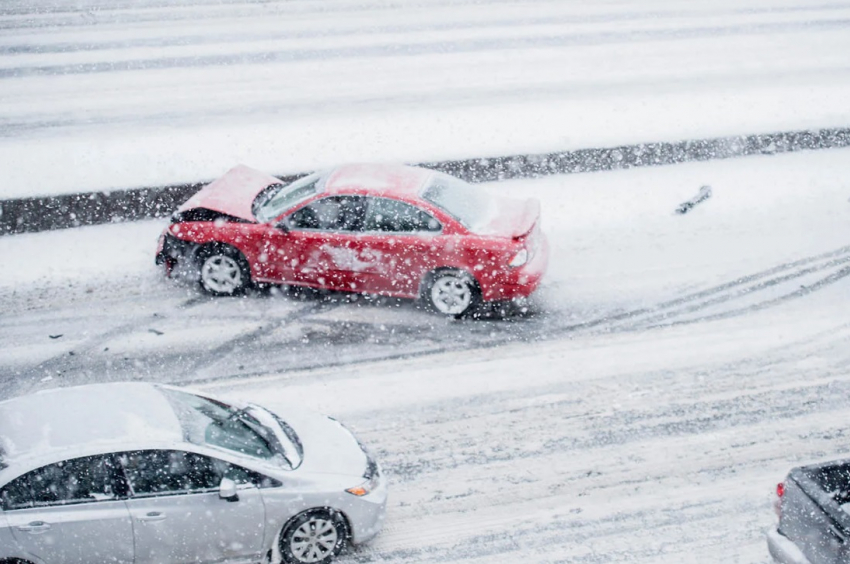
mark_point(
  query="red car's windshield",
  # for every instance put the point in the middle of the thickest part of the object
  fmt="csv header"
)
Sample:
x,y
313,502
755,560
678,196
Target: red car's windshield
x,y
278,198
459,199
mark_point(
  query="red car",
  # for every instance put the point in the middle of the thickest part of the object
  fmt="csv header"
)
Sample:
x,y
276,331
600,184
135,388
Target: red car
x,y
377,229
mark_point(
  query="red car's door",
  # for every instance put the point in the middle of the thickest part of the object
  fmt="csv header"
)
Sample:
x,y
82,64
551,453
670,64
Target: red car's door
x,y
315,246
399,244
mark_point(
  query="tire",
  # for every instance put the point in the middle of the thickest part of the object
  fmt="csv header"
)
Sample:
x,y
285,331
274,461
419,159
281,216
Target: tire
x,y
314,537
223,270
451,292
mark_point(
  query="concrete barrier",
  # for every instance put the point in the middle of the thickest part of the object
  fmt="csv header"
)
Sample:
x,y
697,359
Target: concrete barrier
x,y
24,215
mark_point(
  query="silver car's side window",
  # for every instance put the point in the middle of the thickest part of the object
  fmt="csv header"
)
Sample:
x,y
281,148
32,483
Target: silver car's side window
x,y
157,472
170,472
81,480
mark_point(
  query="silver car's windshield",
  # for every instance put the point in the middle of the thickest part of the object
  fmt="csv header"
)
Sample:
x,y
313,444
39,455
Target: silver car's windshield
x,y
213,423
278,198
464,202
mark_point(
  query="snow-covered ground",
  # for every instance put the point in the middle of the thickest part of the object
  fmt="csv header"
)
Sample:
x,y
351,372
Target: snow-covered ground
x,y
112,94
673,369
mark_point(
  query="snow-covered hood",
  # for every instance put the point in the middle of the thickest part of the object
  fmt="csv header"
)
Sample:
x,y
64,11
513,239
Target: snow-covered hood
x,y
232,194
329,448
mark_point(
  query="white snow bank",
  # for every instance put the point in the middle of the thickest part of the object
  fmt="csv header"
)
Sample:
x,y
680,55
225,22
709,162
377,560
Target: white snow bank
x,y
94,257
616,239
566,76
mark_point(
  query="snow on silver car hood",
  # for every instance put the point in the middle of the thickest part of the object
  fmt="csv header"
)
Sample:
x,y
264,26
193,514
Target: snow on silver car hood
x,y
329,448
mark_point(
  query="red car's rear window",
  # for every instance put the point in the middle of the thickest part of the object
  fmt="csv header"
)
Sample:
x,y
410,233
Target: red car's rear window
x,y
459,199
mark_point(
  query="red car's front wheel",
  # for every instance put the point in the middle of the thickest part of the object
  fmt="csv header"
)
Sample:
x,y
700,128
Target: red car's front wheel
x,y
223,270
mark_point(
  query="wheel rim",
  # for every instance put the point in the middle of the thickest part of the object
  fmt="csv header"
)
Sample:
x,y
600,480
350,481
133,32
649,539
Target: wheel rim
x,y
314,540
221,274
451,294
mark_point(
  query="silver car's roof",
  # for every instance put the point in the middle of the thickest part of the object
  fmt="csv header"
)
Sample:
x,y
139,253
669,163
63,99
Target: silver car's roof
x,y
51,425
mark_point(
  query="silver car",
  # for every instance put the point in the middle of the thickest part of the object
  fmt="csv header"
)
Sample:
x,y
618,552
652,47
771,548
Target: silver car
x,y
140,473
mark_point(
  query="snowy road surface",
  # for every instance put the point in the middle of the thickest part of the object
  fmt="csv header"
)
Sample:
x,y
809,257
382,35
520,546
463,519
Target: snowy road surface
x,y
115,94
666,376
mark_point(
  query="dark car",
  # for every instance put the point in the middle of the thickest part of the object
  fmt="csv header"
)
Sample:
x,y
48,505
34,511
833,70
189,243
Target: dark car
x,y
813,504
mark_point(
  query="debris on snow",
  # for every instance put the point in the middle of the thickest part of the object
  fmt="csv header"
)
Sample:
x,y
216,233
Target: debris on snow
x,y
703,194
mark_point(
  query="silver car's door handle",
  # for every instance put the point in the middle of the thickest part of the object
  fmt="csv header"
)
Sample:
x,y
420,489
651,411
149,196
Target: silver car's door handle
x,y
35,527
152,516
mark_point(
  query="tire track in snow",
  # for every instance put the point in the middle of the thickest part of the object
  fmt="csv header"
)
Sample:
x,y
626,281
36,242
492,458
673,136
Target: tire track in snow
x,y
587,424
337,33
308,337
743,287
81,363
664,319
398,341
21,15
246,343
59,364
416,49
800,292
638,453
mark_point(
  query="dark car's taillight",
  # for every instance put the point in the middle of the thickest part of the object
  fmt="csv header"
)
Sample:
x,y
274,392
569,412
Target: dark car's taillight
x,y
777,503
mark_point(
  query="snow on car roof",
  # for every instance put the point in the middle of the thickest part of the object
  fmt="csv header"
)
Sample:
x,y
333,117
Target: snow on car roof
x,y
66,419
377,179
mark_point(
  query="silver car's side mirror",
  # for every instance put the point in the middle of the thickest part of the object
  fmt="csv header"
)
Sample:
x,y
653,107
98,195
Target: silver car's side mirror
x,y
227,490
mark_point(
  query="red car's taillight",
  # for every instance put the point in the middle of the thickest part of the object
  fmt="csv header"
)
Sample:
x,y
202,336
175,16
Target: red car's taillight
x,y
519,259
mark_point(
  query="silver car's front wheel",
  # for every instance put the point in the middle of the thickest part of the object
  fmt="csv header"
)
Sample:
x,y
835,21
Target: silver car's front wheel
x,y
224,271
451,292
313,538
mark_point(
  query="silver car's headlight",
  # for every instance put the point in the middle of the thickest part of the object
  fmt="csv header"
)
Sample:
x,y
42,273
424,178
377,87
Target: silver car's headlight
x,y
373,479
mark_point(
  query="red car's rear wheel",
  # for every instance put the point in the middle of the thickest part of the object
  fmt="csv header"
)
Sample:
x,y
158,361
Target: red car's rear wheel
x,y
451,292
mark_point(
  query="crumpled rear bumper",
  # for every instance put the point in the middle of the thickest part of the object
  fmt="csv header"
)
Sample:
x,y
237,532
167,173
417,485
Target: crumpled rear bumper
x,y
519,282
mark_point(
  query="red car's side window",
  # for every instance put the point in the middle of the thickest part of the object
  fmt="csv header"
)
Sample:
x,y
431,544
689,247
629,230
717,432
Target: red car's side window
x,y
384,214
334,213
